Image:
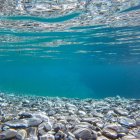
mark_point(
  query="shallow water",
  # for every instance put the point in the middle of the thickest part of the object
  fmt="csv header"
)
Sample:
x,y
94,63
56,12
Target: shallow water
x,y
70,48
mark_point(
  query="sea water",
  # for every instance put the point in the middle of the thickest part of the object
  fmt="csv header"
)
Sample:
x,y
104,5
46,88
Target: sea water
x,y
72,48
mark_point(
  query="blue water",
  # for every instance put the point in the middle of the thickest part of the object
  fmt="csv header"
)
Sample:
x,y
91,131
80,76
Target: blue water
x,y
71,80
82,60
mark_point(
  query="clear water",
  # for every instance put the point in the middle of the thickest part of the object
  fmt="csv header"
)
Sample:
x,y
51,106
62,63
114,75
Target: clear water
x,y
72,48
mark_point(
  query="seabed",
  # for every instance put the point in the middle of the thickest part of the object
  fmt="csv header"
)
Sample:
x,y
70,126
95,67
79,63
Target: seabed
x,y
24,117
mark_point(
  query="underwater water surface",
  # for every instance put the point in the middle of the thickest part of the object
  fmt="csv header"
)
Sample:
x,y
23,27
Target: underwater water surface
x,y
72,48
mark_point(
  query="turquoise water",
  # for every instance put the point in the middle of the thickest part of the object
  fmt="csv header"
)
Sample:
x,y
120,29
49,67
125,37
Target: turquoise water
x,y
88,51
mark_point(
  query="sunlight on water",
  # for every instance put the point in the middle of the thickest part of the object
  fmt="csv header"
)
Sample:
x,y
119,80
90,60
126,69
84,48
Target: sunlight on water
x,y
104,30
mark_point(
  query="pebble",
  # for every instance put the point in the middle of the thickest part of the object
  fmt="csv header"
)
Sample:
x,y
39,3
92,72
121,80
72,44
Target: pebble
x,y
47,137
121,111
96,114
32,122
58,126
83,125
118,128
127,122
25,115
21,134
110,133
81,113
71,107
24,123
84,134
8,134
38,118
129,137
91,120
51,113
44,127
41,115
17,123
32,132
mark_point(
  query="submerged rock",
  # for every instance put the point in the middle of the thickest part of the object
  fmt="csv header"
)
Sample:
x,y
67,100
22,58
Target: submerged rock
x,y
90,120
118,128
110,133
51,113
21,134
129,137
17,123
81,113
96,114
44,127
47,137
32,122
8,134
41,115
71,107
68,119
85,134
25,115
58,126
121,111
127,122
24,123
32,133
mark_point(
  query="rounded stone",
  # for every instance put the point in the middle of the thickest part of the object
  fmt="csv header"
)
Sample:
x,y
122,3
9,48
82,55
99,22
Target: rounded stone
x,y
44,127
48,126
42,116
81,113
109,133
58,126
96,114
118,128
71,107
121,111
25,115
32,122
21,134
51,113
129,137
47,137
127,122
83,125
32,132
90,120
84,134
8,134
24,123
17,123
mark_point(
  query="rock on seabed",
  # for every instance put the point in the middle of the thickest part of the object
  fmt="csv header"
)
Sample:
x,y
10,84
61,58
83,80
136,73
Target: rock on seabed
x,y
52,118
